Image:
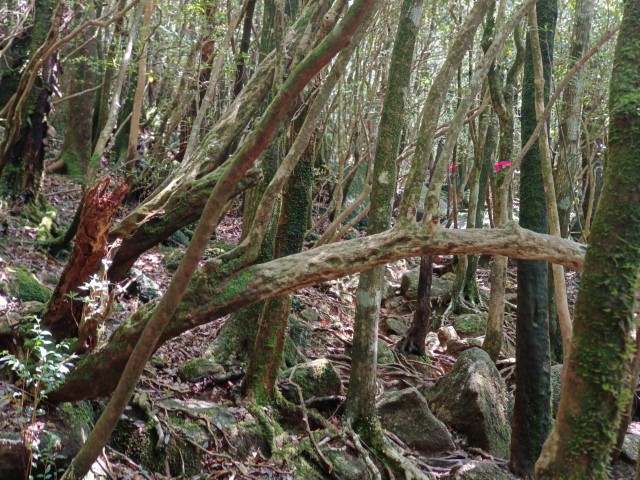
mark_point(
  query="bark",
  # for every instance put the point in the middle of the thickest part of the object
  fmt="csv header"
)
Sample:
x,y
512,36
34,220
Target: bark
x,y
431,111
201,166
76,149
64,310
559,283
264,363
503,98
531,421
570,117
361,399
242,161
22,148
136,112
245,42
596,391
413,341
218,290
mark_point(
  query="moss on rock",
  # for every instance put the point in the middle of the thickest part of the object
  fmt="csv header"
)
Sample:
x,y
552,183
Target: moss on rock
x,y
25,286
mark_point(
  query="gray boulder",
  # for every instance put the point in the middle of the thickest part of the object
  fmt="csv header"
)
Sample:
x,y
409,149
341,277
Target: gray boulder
x,y
317,378
440,286
473,399
480,471
630,447
406,413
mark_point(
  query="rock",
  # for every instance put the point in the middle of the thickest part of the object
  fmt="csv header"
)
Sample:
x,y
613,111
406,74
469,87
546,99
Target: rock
x,y
23,285
310,315
455,346
447,333
406,414
480,471
630,447
12,455
473,399
385,353
556,384
299,332
395,326
197,368
142,286
317,378
472,324
177,239
440,287
172,258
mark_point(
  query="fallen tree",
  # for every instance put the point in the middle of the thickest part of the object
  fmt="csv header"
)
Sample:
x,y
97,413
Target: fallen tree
x,y
218,288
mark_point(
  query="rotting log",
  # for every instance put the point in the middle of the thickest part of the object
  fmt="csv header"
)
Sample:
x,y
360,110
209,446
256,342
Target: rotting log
x,y
215,291
64,312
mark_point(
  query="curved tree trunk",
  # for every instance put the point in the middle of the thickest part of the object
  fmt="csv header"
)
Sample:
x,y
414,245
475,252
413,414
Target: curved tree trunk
x,y
595,389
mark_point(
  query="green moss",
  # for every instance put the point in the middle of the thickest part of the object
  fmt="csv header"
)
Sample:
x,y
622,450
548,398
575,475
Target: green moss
x,y
197,368
26,287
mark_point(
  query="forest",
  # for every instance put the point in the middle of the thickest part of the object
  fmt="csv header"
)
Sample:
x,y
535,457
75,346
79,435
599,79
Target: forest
x,y
319,239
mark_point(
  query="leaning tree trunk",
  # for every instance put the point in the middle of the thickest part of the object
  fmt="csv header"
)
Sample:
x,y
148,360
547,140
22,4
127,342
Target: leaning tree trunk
x,y
595,389
532,408
361,406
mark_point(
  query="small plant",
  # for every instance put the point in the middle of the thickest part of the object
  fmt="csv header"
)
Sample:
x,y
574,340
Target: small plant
x,y
42,368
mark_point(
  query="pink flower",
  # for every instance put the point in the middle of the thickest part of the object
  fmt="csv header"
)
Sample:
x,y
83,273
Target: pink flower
x,y
501,164
452,167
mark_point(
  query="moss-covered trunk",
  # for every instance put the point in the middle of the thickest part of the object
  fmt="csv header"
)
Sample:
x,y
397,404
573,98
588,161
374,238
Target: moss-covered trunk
x,y
266,357
595,389
532,408
362,381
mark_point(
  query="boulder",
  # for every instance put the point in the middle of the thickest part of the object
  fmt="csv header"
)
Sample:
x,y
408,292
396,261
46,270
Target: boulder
x,y
472,324
406,414
556,384
630,448
480,471
385,353
440,286
455,346
395,326
142,286
23,285
473,399
447,333
172,258
197,368
310,315
317,378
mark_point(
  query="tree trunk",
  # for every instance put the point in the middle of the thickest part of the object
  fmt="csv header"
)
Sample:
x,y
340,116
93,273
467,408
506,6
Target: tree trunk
x,y
570,117
361,405
532,408
413,342
595,389
64,311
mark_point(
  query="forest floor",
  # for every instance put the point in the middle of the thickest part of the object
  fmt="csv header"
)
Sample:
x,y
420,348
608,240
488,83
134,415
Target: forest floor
x,y
331,328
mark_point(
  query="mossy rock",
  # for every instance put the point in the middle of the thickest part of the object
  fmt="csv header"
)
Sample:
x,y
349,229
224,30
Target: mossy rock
x,y
470,324
25,286
440,286
197,368
172,258
385,353
138,439
317,378
176,239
